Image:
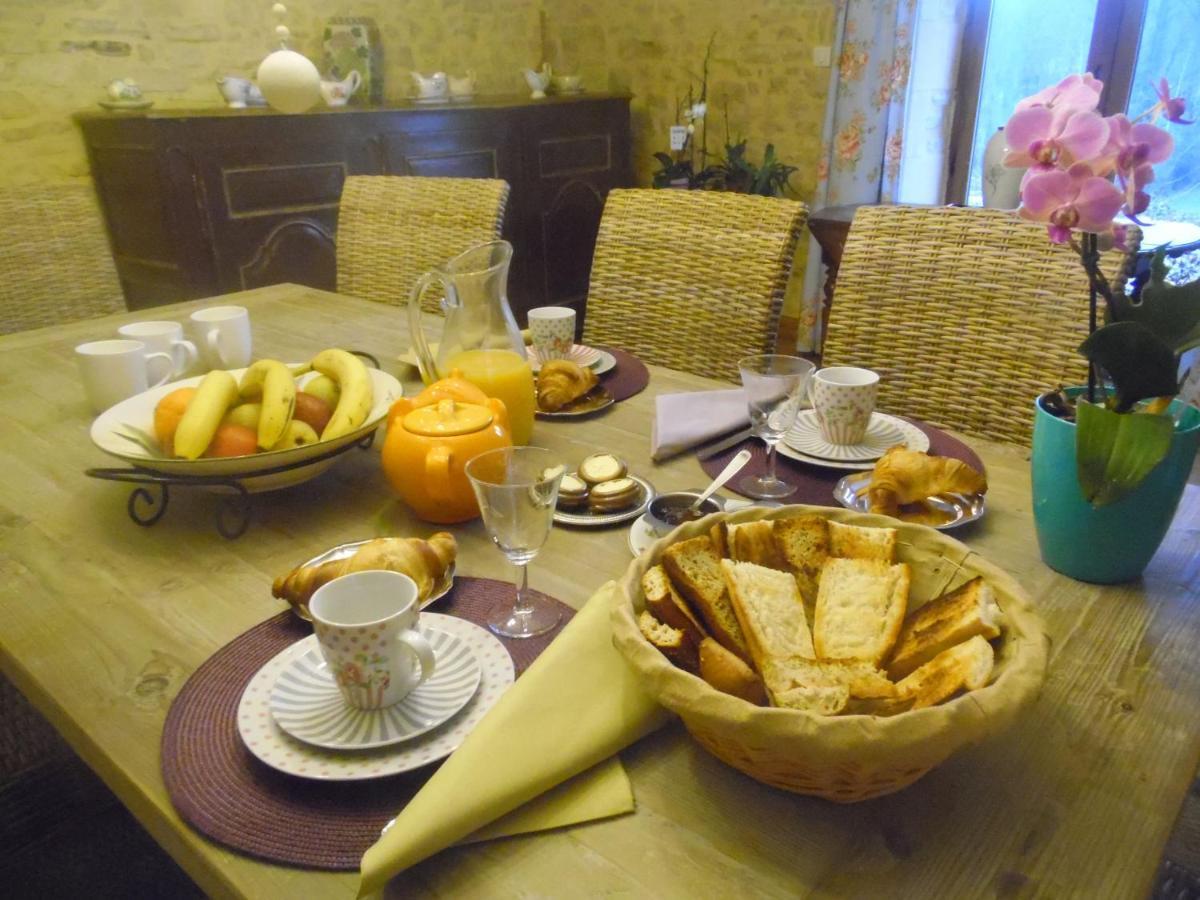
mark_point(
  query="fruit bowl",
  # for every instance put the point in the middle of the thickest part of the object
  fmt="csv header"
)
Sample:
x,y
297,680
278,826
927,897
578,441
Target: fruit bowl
x,y
126,432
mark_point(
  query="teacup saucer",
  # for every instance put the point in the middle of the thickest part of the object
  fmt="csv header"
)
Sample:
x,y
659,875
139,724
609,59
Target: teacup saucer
x,y
883,432
578,354
307,704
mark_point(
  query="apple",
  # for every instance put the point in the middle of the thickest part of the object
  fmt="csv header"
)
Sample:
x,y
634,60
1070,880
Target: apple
x,y
297,434
244,414
312,410
325,388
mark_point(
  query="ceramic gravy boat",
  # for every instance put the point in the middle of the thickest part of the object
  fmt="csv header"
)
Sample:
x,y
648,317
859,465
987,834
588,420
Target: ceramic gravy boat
x,y
538,81
433,87
337,93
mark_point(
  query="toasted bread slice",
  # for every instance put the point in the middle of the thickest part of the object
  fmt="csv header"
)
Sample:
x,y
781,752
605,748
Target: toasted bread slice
x,y
753,542
673,643
882,707
860,606
695,570
665,604
858,542
861,678
728,673
944,622
967,665
803,546
718,535
824,700
768,607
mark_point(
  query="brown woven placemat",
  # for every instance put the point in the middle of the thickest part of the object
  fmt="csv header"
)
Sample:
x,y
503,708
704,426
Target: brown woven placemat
x,y
814,484
229,796
630,376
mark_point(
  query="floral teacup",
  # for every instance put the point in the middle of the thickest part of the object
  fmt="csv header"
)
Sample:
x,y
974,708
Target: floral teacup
x,y
366,626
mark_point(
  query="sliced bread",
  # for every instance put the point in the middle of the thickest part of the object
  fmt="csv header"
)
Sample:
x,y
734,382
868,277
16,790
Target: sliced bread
x,y
967,665
753,542
859,542
768,606
860,607
664,602
695,570
823,700
673,643
861,678
944,622
718,535
803,546
726,672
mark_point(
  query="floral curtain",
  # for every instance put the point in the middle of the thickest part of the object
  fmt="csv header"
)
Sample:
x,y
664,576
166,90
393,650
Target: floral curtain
x,y
863,137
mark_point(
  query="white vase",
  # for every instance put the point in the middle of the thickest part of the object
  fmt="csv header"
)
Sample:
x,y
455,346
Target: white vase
x,y
1001,185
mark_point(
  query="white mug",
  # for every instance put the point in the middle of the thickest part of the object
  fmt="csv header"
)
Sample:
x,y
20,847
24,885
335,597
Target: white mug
x,y
164,337
115,370
552,329
366,626
843,399
223,336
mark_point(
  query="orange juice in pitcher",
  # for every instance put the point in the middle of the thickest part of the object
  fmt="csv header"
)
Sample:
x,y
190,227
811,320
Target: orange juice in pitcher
x,y
480,336
508,377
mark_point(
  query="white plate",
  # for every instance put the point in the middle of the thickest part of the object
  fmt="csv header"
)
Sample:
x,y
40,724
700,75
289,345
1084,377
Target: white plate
x,y
914,439
579,354
943,512
584,519
138,412
279,750
882,433
601,363
307,704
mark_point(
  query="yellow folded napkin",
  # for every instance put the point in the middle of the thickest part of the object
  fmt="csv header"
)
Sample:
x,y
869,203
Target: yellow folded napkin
x,y
533,739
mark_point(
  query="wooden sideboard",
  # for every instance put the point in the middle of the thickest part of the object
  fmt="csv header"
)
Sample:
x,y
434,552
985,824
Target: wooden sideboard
x,y
205,202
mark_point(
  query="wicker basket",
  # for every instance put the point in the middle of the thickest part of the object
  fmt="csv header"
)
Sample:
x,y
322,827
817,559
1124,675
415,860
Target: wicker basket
x,y
852,757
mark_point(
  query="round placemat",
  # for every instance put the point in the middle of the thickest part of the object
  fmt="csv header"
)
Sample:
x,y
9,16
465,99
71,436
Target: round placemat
x,y
629,377
226,794
814,484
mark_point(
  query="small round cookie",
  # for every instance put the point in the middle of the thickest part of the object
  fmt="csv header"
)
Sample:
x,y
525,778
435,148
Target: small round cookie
x,y
572,492
615,495
600,467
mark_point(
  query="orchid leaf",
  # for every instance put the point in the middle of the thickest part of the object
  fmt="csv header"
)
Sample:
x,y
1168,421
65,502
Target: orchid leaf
x,y
1171,311
1114,452
1140,364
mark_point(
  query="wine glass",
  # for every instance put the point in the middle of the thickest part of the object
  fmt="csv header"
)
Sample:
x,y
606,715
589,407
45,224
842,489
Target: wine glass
x,y
517,488
775,388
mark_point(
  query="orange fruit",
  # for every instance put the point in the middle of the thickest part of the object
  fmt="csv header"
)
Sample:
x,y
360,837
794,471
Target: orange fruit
x,y
167,414
233,440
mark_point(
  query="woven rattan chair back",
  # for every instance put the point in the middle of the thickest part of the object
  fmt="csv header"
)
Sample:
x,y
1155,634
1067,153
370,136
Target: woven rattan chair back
x,y
966,314
693,280
392,229
55,264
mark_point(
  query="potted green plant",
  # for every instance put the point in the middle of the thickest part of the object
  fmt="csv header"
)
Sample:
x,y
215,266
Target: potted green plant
x,y
1131,440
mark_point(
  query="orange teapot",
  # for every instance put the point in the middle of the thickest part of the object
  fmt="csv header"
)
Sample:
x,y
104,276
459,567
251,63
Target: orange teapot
x,y
431,437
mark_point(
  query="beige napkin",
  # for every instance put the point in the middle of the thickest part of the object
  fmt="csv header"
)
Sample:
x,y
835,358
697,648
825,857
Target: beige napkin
x,y
682,421
577,705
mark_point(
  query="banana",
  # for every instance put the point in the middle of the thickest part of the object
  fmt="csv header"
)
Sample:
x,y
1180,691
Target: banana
x,y
273,382
215,395
357,390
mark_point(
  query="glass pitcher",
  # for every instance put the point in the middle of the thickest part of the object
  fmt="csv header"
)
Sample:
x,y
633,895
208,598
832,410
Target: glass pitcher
x,y
480,337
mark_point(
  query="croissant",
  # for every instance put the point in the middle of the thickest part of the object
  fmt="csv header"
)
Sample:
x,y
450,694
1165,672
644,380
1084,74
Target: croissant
x,y
905,476
561,381
425,562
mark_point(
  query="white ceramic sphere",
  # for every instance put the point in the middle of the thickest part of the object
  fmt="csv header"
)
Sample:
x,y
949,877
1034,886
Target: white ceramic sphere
x,y
289,81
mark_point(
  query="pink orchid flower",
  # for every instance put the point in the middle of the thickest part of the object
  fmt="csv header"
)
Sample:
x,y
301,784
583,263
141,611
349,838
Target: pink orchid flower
x,y
1131,152
1171,107
1079,93
1071,199
1040,138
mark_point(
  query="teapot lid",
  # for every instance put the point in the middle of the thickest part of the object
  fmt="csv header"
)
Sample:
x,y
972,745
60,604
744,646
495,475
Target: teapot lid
x,y
447,418
454,387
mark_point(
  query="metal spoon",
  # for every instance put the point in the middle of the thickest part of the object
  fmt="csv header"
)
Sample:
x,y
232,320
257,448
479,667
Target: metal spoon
x,y
732,468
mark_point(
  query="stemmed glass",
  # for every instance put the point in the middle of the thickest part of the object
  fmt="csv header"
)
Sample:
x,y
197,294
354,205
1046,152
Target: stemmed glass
x,y
775,388
517,488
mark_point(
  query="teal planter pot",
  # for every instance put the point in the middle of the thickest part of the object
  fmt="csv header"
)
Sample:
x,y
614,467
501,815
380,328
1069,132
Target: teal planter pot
x,y
1109,544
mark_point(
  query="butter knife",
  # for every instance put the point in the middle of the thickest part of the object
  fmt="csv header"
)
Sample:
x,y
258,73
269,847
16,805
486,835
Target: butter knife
x,y
731,441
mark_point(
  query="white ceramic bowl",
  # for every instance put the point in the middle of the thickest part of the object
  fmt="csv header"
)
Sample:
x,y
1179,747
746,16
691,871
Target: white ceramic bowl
x,y
253,472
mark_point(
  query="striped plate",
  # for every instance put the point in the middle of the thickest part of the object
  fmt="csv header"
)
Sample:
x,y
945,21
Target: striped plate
x,y
307,704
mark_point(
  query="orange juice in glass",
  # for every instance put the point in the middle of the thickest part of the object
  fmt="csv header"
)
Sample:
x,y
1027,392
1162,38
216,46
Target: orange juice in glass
x,y
507,376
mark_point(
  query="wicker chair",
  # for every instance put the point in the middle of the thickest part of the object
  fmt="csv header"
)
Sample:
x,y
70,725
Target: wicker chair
x,y
967,314
55,264
393,229
692,279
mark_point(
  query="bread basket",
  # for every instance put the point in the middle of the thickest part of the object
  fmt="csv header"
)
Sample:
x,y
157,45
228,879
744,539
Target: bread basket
x,y
850,757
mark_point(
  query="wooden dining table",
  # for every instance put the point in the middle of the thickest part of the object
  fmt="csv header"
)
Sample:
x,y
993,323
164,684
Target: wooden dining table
x,y
102,622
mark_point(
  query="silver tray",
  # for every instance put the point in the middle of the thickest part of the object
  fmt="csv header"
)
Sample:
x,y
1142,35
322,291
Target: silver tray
x,y
344,551
585,519
593,401
953,510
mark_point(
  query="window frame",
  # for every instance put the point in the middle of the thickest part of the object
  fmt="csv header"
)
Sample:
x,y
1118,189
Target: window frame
x,y
1112,56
